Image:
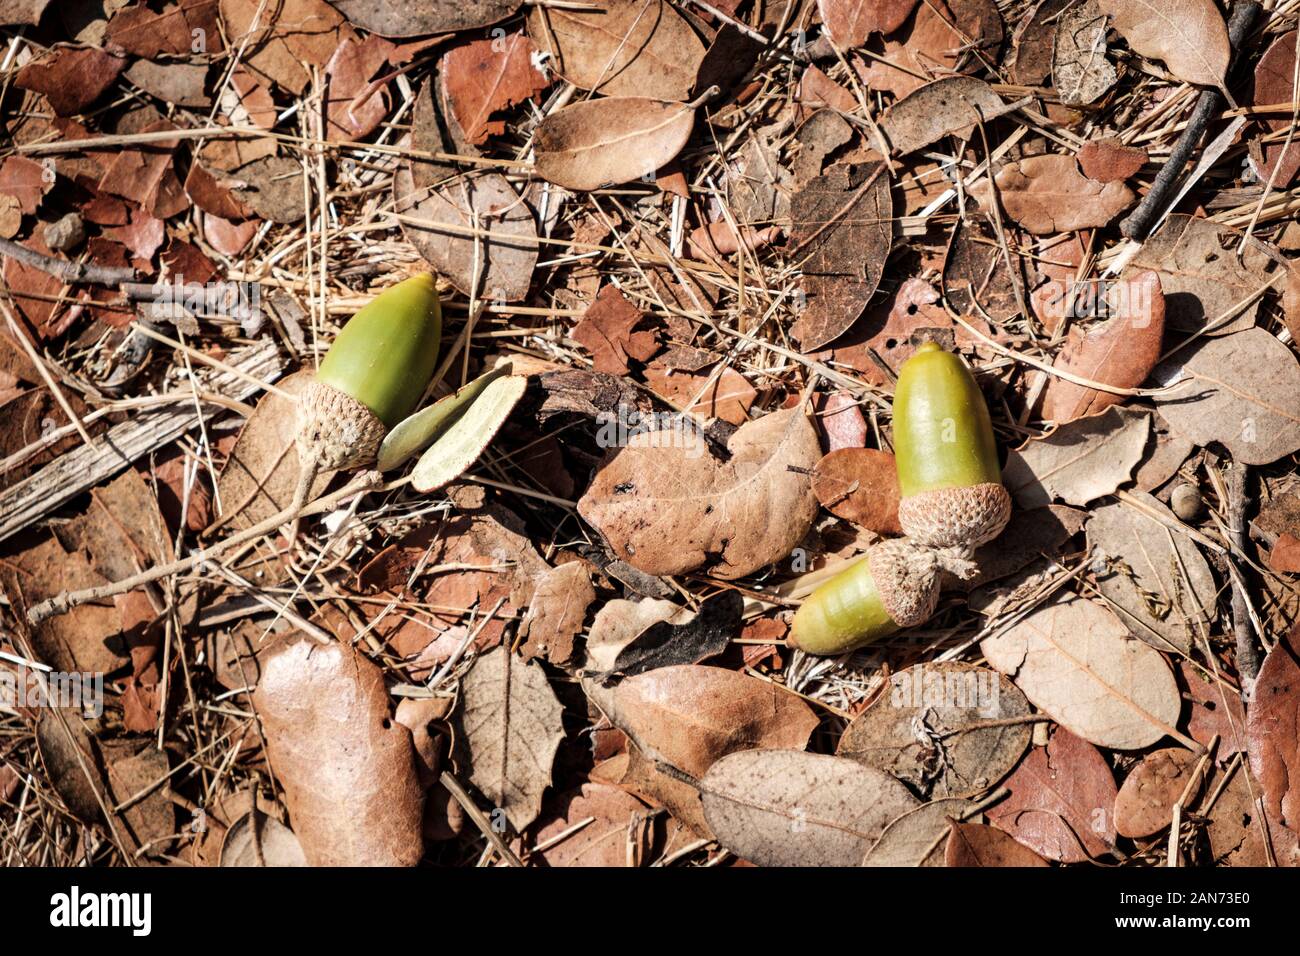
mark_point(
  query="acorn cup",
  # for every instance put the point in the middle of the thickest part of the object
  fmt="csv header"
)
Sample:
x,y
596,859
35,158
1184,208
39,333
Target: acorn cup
x,y
950,484
372,377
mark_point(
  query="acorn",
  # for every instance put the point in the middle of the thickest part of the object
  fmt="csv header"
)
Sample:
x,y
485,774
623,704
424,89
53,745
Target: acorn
x,y
949,480
372,377
895,586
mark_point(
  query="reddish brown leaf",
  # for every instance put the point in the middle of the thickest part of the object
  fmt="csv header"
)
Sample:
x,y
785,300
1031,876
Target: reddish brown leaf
x,y
841,420
1273,733
1048,194
71,77
1145,802
976,844
1108,160
860,485
850,22
26,180
174,31
726,395
1216,709
483,77
283,48
605,331
1274,84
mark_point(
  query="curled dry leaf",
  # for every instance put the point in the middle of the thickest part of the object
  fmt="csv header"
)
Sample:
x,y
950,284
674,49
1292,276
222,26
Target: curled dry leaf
x,y
1156,579
1080,461
348,770
1242,390
624,48
441,224
850,22
842,237
860,485
790,808
926,729
1061,802
1188,35
606,331
1076,661
952,105
1273,733
1121,351
1080,70
689,715
610,140
915,838
977,844
1047,194
683,638
1145,802
618,623
1203,279
256,839
509,726
670,507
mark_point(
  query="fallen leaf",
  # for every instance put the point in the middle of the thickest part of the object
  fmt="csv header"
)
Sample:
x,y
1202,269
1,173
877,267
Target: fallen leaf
x,y
720,239
942,37
1076,661
356,103
22,12
455,450
71,78
1080,461
625,48
149,820
1121,351
1108,160
860,485
610,140
509,724
916,837
483,77
1080,70
670,507
605,817
1242,390
605,331
689,715
421,17
281,49
27,181
926,729
347,769
1273,734
726,395
1275,83
842,236
556,612
173,31
1188,35
1203,279
1030,61
842,423
790,808
1146,800
413,434
178,83
1047,194
977,844
274,189
618,623
977,279
1156,579
1030,536
1215,709
256,839
850,22
1284,556
682,638
498,267
952,105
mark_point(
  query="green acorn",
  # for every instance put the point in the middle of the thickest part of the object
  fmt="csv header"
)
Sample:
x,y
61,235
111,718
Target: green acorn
x,y
372,377
950,484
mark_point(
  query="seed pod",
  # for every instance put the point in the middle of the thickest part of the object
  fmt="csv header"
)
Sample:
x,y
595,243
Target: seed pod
x,y
372,377
895,586
949,481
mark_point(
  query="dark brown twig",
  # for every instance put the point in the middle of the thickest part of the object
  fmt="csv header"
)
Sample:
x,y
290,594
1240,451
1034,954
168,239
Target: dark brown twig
x,y
70,272
1138,223
1247,649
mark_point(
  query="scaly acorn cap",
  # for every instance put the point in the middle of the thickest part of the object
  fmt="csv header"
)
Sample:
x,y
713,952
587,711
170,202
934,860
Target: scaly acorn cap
x,y
372,377
950,483
895,586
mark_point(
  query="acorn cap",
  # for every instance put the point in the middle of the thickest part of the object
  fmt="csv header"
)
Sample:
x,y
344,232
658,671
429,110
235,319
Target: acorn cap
x,y
907,578
335,430
961,518
387,352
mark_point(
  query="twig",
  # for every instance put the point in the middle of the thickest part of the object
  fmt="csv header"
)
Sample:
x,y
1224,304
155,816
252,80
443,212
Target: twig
x,y
482,822
69,272
1138,223
1247,649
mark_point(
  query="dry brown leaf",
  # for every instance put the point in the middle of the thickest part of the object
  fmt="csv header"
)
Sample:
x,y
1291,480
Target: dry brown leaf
x,y
421,17
606,332
618,623
977,844
1242,390
624,48
354,105
1081,72
850,22
482,77
502,264
22,12
178,83
282,48
1121,351
347,769
689,715
27,181
610,140
915,838
952,105
173,31
666,506
1216,708
1188,35
1273,733
1030,61
1078,462
1202,277
1156,579
839,415
1145,802
1275,83
925,729
726,395
556,612
842,236
942,36
790,808
1047,194
1108,160
1076,661
605,839
1062,801
256,839
273,189
71,78
509,725
860,485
